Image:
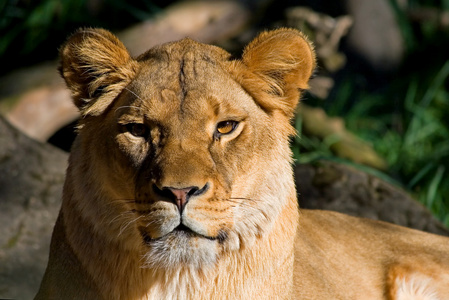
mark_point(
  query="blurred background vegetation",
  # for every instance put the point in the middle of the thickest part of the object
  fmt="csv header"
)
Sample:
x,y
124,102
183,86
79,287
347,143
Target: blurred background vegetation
x,y
31,31
401,112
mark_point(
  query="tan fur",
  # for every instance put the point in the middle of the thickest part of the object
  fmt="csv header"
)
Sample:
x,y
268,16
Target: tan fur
x,y
121,233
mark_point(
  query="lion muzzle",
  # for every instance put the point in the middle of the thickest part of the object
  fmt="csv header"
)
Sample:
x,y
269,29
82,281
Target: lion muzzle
x,y
180,196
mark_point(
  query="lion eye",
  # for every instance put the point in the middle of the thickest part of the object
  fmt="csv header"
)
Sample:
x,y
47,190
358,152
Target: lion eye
x,y
137,129
226,127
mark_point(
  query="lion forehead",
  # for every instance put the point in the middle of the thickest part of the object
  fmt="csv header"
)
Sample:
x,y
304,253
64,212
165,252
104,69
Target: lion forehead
x,y
192,82
185,64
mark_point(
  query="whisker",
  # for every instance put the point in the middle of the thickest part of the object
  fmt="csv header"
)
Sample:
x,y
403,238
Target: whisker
x,y
215,217
243,198
124,226
138,97
126,106
122,215
239,203
150,223
121,201
243,203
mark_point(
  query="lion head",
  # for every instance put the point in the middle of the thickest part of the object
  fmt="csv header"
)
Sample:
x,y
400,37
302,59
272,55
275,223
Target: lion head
x,y
182,153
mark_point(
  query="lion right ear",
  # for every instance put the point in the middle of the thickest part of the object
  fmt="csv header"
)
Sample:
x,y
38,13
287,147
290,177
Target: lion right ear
x,y
96,67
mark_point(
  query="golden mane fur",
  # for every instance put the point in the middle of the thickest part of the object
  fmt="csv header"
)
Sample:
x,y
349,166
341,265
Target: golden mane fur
x,y
180,185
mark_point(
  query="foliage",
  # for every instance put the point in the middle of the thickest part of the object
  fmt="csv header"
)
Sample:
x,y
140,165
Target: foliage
x,y
406,119
33,30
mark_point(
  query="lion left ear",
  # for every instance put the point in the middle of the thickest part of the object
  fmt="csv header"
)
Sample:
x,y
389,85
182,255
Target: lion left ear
x,y
96,67
275,68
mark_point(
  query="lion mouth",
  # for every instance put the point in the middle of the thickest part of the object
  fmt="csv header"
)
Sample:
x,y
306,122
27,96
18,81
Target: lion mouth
x,y
183,232
180,247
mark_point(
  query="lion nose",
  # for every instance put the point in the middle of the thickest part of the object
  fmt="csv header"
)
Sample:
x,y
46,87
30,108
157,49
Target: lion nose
x,y
180,196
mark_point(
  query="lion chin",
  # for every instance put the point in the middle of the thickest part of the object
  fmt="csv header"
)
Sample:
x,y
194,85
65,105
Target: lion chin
x,y
180,247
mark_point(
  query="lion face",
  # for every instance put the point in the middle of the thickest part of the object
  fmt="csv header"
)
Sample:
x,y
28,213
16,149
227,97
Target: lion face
x,y
181,136
188,145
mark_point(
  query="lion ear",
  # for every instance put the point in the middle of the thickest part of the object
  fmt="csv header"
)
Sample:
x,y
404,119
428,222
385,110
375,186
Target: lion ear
x,y
276,67
96,67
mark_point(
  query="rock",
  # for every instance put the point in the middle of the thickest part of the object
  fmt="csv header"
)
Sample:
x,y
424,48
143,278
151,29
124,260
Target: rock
x,y
334,186
43,111
31,178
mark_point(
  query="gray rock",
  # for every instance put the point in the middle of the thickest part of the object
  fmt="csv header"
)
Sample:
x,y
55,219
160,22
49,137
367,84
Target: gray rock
x,y
31,178
335,186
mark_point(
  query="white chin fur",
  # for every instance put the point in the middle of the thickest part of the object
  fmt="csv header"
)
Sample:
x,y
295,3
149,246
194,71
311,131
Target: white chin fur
x,y
179,249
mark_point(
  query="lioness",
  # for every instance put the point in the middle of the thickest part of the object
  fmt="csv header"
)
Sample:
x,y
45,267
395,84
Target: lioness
x,y
180,185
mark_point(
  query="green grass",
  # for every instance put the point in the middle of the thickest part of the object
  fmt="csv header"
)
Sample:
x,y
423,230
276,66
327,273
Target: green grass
x,y
426,144
406,120
412,133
